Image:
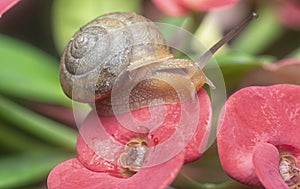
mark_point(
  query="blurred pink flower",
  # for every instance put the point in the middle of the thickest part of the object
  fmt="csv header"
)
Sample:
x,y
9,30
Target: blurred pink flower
x,y
280,72
258,139
182,7
112,156
5,5
289,13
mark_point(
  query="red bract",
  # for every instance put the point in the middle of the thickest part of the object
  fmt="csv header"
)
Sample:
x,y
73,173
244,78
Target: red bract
x,y
72,174
284,71
258,139
181,7
104,152
5,5
289,11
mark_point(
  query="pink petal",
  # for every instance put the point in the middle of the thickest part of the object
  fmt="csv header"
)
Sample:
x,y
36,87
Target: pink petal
x,y
265,161
283,71
254,115
5,5
286,70
102,139
171,7
207,5
197,144
96,149
289,12
72,174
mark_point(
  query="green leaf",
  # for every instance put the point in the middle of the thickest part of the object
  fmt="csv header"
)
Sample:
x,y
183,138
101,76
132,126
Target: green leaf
x,y
42,127
12,139
261,33
28,73
21,170
182,21
70,15
295,53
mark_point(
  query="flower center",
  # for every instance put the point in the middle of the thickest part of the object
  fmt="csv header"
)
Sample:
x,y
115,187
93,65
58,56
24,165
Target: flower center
x,y
289,171
134,154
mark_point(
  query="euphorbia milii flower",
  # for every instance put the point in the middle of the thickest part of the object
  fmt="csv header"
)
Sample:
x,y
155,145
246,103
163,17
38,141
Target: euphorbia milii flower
x,y
181,7
5,5
289,13
284,71
259,136
112,156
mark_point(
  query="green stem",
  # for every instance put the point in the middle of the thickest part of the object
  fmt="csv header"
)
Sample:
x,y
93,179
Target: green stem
x,y
49,130
232,185
197,18
182,182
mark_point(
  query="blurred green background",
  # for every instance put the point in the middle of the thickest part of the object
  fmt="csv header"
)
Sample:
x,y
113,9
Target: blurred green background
x,y
37,128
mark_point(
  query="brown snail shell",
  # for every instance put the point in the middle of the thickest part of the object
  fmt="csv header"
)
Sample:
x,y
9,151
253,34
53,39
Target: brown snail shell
x,y
124,43
103,48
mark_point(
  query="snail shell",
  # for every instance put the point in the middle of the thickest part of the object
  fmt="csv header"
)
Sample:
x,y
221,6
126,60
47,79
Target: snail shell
x,y
124,47
103,48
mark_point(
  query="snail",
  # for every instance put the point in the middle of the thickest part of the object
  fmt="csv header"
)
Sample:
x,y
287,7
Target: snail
x,y
123,47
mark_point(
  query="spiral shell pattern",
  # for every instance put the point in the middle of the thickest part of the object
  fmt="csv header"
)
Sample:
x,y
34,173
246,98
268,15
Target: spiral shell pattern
x,y
105,47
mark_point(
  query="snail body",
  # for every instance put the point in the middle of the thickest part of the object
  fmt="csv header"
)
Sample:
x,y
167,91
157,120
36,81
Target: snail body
x,y
124,47
167,82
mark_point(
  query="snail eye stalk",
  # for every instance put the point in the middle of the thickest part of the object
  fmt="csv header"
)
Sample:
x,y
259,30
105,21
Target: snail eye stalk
x,y
203,59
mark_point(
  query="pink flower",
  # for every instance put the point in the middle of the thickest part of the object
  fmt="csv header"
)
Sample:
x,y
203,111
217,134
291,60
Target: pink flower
x,y
258,139
5,5
289,13
113,156
182,7
284,71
